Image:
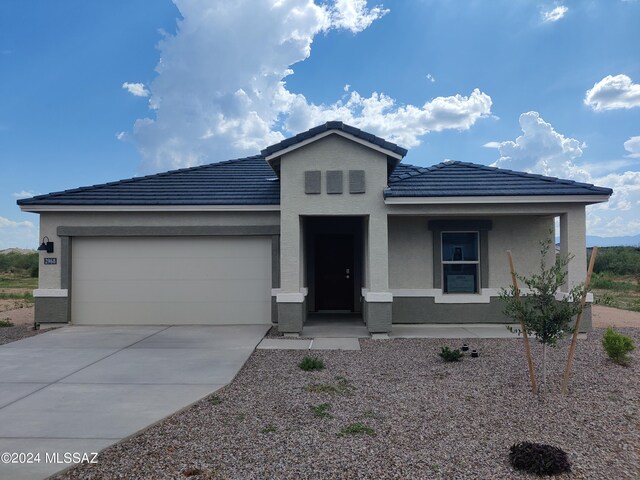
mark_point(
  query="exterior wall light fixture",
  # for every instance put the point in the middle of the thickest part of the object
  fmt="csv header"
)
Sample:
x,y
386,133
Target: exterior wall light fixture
x,y
46,246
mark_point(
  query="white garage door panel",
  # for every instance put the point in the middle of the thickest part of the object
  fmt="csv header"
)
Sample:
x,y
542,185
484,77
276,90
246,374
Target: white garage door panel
x,y
165,291
171,280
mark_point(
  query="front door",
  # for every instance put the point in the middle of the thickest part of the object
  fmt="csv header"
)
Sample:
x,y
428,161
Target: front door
x,y
334,272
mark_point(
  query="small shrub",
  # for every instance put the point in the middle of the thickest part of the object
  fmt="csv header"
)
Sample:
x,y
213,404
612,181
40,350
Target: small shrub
x,y
311,363
539,458
449,355
341,387
321,411
357,429
269,429
617,346
215,400
6,323
606,300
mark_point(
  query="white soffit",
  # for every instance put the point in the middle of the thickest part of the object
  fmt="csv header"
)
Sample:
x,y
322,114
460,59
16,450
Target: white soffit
x,y
496,199
150,208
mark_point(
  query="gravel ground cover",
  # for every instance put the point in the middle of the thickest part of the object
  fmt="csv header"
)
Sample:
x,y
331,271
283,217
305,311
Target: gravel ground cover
x,y
414,415
17,332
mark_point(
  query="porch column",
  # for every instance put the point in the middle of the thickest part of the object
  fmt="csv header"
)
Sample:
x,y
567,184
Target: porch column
x,y
378,299
290,300
573,242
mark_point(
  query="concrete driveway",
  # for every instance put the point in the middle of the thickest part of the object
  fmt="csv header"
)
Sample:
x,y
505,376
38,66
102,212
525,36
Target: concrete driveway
x,y
81,389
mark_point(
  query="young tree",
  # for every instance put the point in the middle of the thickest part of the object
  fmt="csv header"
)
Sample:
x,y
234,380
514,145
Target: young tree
x,y
543,315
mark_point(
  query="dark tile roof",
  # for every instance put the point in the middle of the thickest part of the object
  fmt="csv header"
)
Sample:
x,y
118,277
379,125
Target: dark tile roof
x,y
356,132
245,181
462,179
250,181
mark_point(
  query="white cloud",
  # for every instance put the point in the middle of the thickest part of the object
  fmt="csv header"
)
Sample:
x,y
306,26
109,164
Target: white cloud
x,y
137,89
379,114
220,95
613,92
540,149
346,87
633,147
431,78
23,194
17,234
354,15
554,14
122,136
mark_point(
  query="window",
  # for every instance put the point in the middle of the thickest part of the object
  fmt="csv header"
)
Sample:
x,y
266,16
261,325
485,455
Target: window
x,y
460,262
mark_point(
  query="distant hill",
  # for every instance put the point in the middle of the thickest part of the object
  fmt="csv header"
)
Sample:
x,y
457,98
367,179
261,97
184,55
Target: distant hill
x,y
629,241
16,250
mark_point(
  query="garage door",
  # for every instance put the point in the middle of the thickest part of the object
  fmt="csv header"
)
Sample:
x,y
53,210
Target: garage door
x,y
171,280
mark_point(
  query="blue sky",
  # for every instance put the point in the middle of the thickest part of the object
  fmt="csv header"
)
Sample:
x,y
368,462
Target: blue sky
x,y
94,91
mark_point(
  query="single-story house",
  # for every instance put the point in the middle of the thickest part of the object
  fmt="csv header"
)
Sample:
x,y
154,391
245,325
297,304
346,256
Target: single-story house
x,y
329,221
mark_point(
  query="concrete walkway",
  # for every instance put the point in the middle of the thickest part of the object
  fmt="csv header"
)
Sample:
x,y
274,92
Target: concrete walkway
x,y
336,335
81,389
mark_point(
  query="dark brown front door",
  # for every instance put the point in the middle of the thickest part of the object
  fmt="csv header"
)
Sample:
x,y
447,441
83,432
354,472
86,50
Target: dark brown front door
x,y
334,272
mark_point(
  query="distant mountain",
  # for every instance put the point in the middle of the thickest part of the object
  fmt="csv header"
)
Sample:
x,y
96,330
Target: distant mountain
x,y
631,241
15,250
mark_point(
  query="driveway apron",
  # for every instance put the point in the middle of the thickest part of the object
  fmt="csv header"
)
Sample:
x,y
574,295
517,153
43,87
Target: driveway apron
x,y
77,390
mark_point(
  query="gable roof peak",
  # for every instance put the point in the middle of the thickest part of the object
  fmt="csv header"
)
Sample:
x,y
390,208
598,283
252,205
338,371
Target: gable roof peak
x,y
338,127
393,152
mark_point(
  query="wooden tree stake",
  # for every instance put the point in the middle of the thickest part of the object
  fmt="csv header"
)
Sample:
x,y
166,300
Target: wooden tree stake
x,y
523,328
572,350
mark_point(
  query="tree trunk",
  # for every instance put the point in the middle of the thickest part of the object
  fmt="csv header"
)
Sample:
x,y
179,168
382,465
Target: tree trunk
x,y
544,365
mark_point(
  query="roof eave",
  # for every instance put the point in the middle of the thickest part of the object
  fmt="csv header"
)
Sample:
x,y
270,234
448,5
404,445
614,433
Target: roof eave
x,y
35,208
496,199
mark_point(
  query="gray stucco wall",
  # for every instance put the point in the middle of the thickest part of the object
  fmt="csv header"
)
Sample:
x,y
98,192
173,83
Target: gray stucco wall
x,y
411,248
51,310
424,310
333,153
410,253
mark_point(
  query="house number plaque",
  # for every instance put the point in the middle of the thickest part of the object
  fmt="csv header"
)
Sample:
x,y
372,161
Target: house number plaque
x,y
50,261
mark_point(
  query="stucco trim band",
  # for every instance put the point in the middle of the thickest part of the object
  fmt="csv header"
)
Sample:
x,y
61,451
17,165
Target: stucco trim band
x,y
378,297
438,297
51,292
290,297
169,231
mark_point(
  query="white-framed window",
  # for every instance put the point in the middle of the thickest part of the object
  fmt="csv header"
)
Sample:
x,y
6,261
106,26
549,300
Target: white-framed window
x,y
460,262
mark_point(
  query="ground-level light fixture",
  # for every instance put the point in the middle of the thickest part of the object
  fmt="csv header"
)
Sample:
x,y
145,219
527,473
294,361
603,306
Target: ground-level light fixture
x,y
46,246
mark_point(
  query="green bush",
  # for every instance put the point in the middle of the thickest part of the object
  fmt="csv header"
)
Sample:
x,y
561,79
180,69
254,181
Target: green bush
x,y
269,429
6,323
342,387
617,346
311,363
357,429
618,261
606,282
22,263
539,458
321,411
449,355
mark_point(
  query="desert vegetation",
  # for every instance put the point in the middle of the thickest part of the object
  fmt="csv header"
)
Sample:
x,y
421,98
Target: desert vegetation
x,y
616,278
